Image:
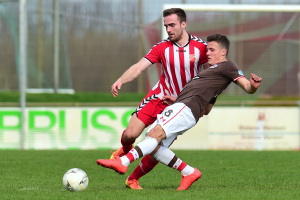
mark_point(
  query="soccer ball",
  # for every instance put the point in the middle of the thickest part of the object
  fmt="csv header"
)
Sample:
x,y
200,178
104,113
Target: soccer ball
x,y
76,180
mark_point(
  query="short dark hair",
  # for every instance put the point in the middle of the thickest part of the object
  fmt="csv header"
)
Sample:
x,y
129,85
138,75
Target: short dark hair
x,y
178,11
222,40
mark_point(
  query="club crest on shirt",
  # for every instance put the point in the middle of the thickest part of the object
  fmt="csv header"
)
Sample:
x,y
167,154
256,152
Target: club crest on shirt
x,y
214,66
192,57
241,73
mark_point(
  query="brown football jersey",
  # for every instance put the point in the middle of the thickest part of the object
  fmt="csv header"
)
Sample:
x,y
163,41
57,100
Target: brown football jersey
x,y
207,84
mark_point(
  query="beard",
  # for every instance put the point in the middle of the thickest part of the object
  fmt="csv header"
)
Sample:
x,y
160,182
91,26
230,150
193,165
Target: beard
x,y
176,39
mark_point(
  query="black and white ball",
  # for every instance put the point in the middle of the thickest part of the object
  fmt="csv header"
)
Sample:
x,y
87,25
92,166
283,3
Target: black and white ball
x,y
76,180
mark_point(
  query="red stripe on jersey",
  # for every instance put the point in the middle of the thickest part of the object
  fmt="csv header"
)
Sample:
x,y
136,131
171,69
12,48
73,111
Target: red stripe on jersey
x,y
202,58
159,69
199,62
182,67
163,78
175,115
172,66
238,78
192,60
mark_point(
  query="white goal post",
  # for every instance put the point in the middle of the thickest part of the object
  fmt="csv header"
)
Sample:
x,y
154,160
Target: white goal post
x,y
232,8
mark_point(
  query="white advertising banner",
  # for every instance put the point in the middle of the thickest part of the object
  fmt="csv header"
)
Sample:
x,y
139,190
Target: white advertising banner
x,y
248,128
255,128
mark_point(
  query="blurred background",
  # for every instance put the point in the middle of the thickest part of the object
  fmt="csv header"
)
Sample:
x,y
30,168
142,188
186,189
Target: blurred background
x,y
84,46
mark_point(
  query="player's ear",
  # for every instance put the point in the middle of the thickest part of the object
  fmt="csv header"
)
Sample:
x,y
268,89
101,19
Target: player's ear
x,y
183,25
223,52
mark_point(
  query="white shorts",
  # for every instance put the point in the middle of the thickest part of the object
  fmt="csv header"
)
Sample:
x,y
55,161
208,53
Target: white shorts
x,y
175,120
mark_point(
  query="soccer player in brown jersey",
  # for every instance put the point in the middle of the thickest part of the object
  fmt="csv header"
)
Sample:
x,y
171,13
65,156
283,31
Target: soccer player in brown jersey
x,y
197,96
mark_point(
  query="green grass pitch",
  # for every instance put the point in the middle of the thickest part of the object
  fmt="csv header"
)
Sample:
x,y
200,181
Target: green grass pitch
x,y
225,175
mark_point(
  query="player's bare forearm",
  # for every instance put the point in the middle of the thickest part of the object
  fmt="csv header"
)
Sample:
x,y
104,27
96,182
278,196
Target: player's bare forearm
x,y
129,75
132,73
250,86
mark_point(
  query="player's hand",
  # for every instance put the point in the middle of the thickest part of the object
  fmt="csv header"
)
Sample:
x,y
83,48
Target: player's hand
x,y
115,87
255,81
167,99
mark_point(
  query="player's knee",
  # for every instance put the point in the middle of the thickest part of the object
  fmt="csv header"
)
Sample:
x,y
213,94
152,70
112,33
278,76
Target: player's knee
x,y
158,133
130,134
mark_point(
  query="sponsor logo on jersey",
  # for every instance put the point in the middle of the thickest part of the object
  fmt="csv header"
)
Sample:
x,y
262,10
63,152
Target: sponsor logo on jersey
x,y
180,50
192,57
214,66
241,73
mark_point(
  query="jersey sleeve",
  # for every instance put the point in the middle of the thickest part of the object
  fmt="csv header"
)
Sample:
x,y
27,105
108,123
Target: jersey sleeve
x,y
233,72
153,55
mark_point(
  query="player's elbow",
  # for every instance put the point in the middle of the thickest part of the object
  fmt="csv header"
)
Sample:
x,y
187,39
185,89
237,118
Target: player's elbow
x,y
251,90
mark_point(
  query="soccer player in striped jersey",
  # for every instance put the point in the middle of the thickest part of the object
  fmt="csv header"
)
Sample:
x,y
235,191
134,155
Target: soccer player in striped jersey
x,y
195,98
181,57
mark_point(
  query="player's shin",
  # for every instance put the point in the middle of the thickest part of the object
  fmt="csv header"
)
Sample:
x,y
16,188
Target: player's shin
x,y
145,166
167,157
127,146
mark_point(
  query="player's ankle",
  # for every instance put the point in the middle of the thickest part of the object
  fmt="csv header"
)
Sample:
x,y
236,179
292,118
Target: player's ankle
x,y
132,178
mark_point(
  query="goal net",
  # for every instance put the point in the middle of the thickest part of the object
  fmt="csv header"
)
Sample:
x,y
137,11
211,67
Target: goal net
x,y
264,40
41,26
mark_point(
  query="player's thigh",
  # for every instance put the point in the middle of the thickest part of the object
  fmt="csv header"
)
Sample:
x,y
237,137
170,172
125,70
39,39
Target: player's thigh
x,y
167,142
175,120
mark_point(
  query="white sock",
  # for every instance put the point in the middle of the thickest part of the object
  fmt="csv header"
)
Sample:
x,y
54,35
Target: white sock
x,y
187,170
125,160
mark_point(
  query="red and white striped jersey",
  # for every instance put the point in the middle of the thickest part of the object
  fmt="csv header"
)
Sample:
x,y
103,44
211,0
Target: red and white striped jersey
x,y
179,64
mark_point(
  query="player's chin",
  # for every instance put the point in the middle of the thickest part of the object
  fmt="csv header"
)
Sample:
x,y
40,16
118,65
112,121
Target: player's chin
x,y
173,38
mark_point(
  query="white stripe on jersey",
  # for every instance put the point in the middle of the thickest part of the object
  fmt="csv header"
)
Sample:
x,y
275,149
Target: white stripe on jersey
x,y
187,65
167,55
168,85
177,63
197,55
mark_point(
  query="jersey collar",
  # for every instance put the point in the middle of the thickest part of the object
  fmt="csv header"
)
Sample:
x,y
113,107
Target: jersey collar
x,y
185,44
